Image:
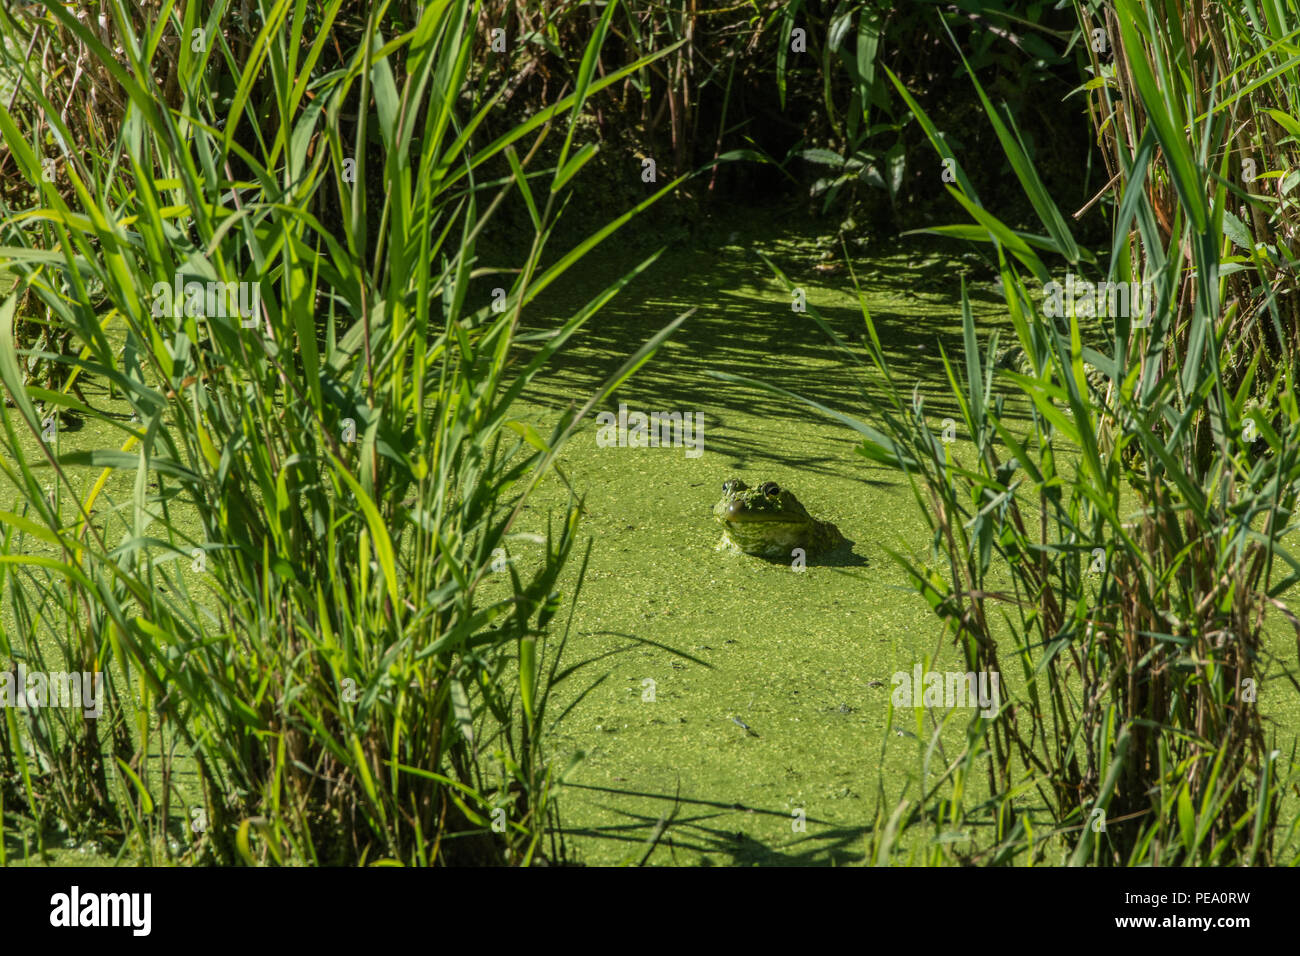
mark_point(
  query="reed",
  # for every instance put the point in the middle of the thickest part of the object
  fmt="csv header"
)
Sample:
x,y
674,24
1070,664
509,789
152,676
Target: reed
x,y
299,570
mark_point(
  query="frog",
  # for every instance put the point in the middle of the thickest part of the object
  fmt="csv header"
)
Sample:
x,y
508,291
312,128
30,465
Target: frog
x,y
770,522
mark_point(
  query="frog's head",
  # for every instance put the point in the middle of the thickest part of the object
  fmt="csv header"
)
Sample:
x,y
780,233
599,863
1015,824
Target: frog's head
x,y
767,520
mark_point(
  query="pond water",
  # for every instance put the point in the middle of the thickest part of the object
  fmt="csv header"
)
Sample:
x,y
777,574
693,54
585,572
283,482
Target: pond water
x,y
745,693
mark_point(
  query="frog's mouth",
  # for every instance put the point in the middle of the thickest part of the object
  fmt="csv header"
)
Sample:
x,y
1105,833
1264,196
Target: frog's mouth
x,y
738,513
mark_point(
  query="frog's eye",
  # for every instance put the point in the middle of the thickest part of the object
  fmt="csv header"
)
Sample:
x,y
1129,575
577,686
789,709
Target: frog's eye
x,y
732,485
771,489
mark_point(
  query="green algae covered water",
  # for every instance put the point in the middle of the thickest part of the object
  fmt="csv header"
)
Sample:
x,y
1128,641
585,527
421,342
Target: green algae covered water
x,y
745,698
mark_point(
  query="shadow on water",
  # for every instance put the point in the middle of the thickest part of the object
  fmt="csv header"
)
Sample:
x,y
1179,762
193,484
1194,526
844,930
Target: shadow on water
x,y
697,827
709,830
745,326
842,556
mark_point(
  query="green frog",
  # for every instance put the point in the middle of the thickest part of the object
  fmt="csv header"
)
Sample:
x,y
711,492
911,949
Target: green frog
x,y
769,521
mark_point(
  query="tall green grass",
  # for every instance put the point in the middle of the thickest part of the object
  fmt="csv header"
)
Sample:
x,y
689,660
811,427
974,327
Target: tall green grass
x,y
311,592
